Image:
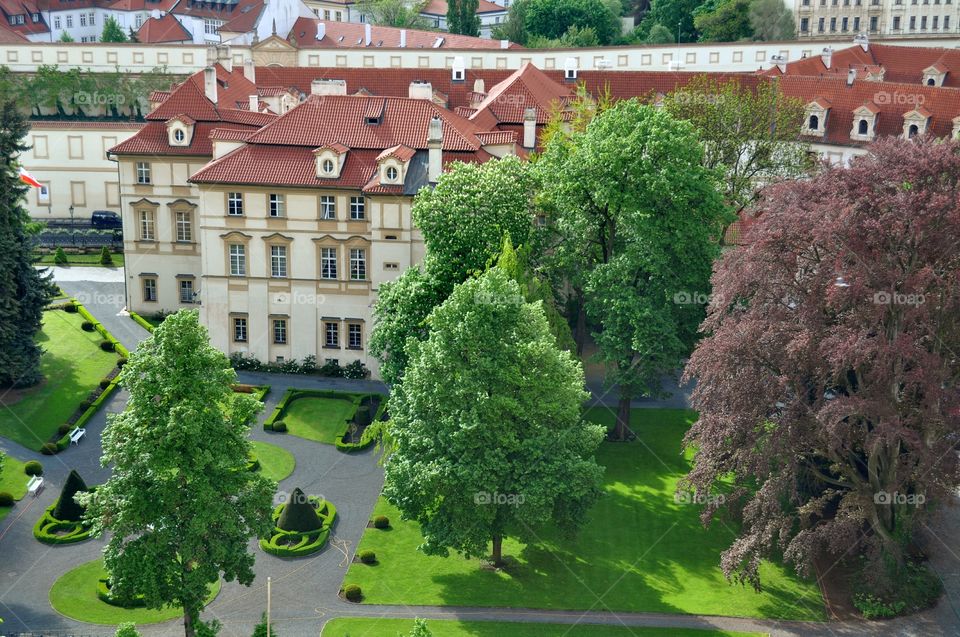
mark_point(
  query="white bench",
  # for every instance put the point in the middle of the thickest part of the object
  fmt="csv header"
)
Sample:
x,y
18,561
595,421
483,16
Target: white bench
x,y
35,485
76,435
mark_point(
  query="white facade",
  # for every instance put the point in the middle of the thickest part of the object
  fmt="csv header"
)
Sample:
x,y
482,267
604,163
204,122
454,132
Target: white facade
x,y
829,19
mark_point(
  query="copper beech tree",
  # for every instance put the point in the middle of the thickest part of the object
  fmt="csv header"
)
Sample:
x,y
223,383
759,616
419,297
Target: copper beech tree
x,y
827,378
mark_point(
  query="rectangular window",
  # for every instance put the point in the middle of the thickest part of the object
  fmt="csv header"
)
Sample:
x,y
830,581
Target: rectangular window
x,y
844,23
211,26
326,14
923,22
143,172
277,204
184,228
146,225
358,264
150,290
83,19
93,19
896,23
355,336
238,259
332,332
240,330
186,290
280,331
856,23
936,21
328,263
946,22
913,22
56,22
69,21
235,204
358,208
804,25
873,23
328,207
833,24
820,25
278,262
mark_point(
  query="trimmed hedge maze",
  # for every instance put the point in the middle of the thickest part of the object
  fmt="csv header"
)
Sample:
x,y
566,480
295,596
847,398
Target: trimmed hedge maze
x,y
50,530
308,530
355,431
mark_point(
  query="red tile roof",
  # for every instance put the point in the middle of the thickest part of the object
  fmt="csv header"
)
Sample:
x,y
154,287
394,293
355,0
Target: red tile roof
x,y
164,29
439,7
528,87
231,134
152,140
219,11
352,35
398,152
27,9
9,36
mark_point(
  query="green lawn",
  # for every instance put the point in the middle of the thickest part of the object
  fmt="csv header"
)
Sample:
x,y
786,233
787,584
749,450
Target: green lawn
x,y
276,463
12,478
379,627
82,259
72,365
75,595
317,418
641,550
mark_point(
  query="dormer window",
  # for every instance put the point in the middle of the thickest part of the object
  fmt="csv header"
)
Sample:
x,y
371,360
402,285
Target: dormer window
x,y
179,135
330,160
864,123
328,166
863,127
934,75
392,174
915,122
180,131
816,122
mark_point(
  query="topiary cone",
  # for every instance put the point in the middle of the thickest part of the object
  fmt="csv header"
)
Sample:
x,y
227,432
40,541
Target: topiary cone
x,y
299,514
67,508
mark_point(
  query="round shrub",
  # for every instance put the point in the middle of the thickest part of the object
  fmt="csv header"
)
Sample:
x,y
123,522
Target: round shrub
x,y
6,499
85,404
381,522
60,257
34,468
121,361
104,383
352,593
87,326
107,346
368,557
70,307
49,448
280,426
62,430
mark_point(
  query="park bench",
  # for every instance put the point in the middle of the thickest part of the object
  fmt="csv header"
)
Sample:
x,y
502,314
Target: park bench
x,y
76,435
35,485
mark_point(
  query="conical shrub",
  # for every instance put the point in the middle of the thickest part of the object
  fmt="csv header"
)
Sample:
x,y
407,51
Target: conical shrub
x,y
67,509
299,514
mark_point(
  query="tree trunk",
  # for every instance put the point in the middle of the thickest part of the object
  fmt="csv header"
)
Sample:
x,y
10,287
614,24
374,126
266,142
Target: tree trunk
x,y
497,557
580,332
622,430
188,628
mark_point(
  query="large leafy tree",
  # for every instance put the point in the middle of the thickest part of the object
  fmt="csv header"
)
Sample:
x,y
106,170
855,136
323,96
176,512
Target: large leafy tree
x,y
463,221
750,133
674,15
395,13
462,17
552,19
771,20
635,219
488,436
112,31
24,290
723,20
827,382
180,506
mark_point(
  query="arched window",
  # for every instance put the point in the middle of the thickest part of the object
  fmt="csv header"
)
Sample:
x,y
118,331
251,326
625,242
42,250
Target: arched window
x,y
912,131
328,166
931,82
179,135
392,173
814,122
862,127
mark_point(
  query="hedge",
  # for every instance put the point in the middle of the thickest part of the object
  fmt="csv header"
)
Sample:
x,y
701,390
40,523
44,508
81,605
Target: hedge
x,y
46,528
297,544
142,322
369,435
107,336
103,592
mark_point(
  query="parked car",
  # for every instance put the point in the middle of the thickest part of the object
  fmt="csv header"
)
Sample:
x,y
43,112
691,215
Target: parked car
x,y
105,219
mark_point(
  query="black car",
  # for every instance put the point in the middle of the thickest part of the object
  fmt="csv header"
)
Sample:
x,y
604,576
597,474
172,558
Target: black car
x,y
105,220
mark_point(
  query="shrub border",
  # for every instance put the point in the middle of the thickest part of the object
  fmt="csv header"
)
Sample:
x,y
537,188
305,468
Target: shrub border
x,y
310,541
369,435
142,322
79,533
366,439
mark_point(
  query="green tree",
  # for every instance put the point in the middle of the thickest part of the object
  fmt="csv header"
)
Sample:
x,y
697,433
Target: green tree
x,y
24,290
635,219
261,629
463,221
67,508
751,134
105,257
553,18
462,17
659,34
127,629
723,20
298,514
514,27
176,532
771,20
112,31
488,436
670,14
66,37
395,13
419,629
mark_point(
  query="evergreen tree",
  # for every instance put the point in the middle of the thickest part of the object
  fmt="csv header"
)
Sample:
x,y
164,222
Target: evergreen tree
x,y
67,508
299,514
66,37
260,630
462,17
23,289
112,31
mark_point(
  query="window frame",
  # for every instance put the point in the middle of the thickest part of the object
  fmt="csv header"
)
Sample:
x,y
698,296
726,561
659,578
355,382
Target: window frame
x,y
234,204
280,331
358,264
276,205
150,294
279,257
146,219
240,327
358,208
238,262
333,342
329,263
144,173
182,286
328,207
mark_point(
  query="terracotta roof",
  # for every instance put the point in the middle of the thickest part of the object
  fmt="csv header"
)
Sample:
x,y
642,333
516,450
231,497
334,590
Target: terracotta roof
x,y
231,134
246,19
152,140
497,137
217,10
163,29
822,102
140,5
337,148
159,96
27,9
528,87
9,36
439,7
352,35
399,152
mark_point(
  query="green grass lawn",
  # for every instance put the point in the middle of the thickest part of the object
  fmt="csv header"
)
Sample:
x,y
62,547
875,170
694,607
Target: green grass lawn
x,y
378,627
316,418
276,463
75,595
72,365
82,259
640,550
12,478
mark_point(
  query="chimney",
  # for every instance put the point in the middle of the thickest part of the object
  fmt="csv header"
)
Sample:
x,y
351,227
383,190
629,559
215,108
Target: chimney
x,y
321,30
826,56
367,37
780,61
328,87
403,38
851,76
225,57
254,103
210,83
529,128
863,40
435,150
420,90
504,44
249,71
478,86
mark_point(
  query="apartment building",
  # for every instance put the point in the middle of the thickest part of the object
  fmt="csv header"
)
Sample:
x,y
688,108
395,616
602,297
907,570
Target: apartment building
x,y
826,19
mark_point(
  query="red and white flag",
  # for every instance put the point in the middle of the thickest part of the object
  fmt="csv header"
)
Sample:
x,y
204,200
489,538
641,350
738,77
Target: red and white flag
x,y
28,179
